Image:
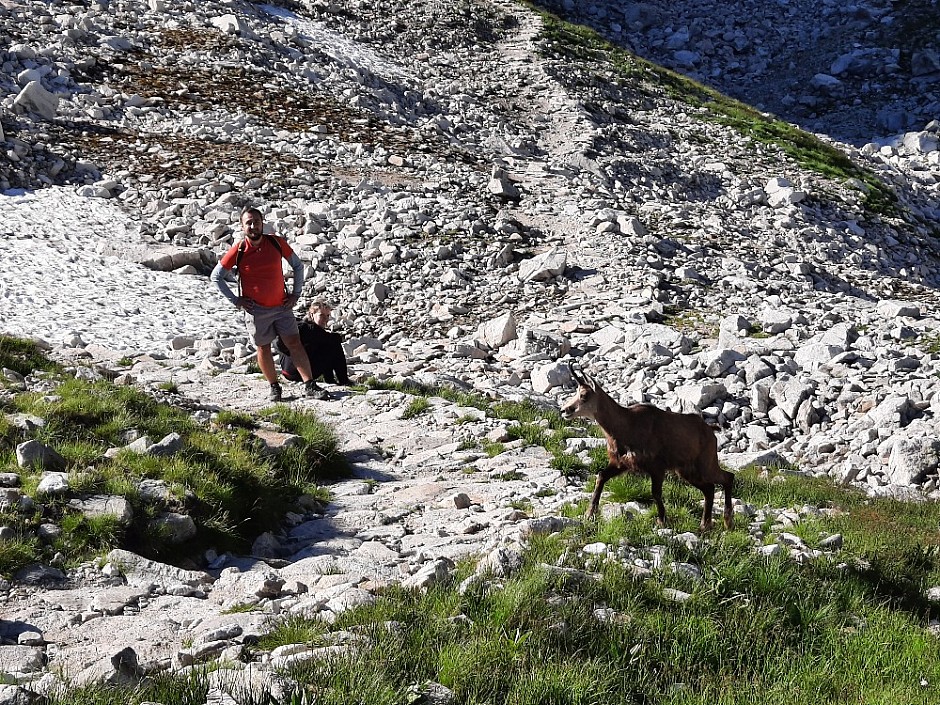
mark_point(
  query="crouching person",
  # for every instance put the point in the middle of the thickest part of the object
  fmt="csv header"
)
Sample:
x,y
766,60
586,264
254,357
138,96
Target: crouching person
x,y
323,347
262,293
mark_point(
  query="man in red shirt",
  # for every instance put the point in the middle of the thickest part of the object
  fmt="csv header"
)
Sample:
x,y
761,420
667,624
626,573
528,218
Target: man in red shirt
x,y
264,297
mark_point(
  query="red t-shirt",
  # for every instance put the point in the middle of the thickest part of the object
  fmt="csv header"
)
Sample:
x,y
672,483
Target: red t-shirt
x,y
259,270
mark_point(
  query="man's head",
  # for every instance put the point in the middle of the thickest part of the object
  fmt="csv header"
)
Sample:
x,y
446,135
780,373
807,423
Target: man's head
x,y
252,224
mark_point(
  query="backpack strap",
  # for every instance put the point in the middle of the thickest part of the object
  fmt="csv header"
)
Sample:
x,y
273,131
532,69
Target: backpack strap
x,y
243,247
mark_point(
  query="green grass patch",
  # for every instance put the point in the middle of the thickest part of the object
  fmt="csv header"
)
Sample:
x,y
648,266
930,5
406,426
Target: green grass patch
x,y
416,407
536,425
493,448
523,505
86,536
293,630
23,356
568,464
17,552
317,458
161,688
756,630
223,476
929,344
509,476
239,419
689,321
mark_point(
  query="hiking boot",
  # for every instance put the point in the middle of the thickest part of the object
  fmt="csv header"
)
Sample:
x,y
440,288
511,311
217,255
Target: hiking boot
x,y
315,391
275,393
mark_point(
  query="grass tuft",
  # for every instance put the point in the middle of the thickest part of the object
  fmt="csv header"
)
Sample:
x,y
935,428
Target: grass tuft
x,y
416,407
23,356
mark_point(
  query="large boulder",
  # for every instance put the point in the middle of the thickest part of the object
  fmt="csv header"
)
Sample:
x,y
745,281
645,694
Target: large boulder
x,y
159,257
544,266
142,571
33,98
912,459
33,454
498,331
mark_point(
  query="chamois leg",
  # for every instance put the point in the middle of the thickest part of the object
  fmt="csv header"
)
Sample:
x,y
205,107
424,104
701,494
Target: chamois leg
x,y
728,485
602,477
656,485
708,489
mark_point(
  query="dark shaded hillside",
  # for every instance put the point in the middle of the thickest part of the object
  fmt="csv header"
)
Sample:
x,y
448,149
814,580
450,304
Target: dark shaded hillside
x,y
854,71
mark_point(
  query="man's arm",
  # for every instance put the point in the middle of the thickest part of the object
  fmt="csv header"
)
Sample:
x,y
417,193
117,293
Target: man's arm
x,y
298,285
218,278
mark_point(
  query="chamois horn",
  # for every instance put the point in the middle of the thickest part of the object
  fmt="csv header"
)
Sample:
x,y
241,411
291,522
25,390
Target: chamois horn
x,y
580,376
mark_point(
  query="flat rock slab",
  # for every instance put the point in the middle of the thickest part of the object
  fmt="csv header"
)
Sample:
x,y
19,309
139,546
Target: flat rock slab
x,y
109,601
21,659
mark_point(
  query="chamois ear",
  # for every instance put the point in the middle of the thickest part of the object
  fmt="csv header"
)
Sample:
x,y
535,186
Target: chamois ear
x,y
590,383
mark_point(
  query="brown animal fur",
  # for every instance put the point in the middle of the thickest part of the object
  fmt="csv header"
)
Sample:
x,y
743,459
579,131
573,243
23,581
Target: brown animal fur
x,y
644,439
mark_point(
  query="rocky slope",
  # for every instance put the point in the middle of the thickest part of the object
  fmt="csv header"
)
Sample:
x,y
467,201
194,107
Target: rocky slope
x,y
485,206
853,71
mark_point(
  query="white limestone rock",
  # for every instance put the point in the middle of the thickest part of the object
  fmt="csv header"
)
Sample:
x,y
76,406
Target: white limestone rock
x,y
234,587
229,24
814,355
718,363
502,186
544,266
547,377
891,309
498,331
140,571
105,506
33,98
694,397
912,459
34,454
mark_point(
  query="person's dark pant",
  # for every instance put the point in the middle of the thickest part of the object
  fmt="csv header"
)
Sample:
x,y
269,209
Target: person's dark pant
x,y
325,350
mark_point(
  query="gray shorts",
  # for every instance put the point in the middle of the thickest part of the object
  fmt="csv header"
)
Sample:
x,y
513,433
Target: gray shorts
x,y
265,324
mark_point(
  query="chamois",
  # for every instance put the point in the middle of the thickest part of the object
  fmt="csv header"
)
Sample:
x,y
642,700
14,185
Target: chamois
x,y
644,439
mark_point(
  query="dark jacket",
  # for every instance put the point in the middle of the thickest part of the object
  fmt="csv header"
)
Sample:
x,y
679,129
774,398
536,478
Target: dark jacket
x,y
325,350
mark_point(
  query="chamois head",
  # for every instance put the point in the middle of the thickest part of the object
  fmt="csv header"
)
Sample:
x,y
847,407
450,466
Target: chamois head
x,y
584,402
